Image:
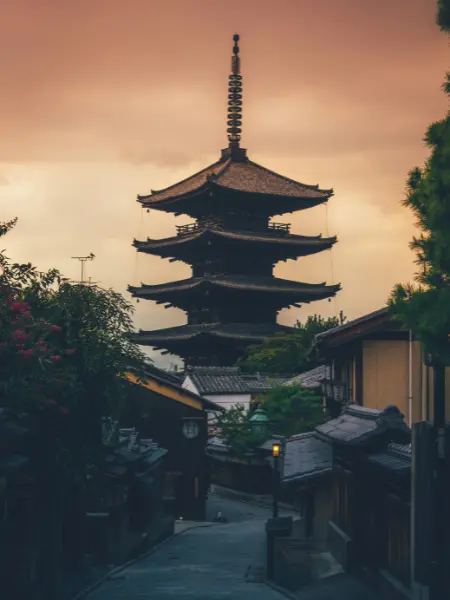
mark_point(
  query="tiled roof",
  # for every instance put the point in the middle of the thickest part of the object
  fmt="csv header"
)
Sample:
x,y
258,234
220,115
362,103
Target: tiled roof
x,y
242,176
302,245
253,178
217,444
397,458
310,379
251,332
304,292
358,425
173,382
228,380
379,319
306,457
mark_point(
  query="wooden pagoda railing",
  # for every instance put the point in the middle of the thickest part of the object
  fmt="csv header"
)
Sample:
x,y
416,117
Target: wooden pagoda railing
x,y
281,228
278,228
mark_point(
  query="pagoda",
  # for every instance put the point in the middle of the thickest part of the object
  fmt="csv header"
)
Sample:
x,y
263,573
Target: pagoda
x,y
232,298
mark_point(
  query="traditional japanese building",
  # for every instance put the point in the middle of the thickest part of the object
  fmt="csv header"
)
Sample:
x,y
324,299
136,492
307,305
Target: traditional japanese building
x,y
232,299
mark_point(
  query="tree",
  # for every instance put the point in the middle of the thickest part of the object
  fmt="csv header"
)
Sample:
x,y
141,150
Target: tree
x,y
237,431
293,409
63,348
288,353
424,306
443,16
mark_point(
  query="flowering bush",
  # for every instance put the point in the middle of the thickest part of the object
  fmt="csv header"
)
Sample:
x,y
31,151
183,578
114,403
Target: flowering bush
x,y
62,347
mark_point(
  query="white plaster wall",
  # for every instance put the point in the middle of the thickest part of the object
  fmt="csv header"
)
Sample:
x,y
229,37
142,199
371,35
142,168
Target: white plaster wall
x,y
188,384
229,400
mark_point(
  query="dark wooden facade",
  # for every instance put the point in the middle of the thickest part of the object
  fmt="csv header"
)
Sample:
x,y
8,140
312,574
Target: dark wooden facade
x,y
370,525
160,411
232,299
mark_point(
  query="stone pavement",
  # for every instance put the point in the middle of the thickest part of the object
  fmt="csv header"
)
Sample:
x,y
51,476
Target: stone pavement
x,y
205,563
215,562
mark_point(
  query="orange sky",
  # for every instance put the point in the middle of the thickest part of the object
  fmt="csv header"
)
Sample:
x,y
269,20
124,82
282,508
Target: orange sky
x,y
104,99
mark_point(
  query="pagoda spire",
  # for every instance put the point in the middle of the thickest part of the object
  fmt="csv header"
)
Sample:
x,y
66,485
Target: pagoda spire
x,y
234,121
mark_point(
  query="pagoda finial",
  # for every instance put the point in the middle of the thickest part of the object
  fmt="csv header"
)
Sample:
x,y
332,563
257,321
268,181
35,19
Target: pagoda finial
x,y
235,98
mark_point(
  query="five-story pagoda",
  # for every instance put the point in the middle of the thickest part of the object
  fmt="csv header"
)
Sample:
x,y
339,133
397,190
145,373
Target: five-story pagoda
x,y
232,299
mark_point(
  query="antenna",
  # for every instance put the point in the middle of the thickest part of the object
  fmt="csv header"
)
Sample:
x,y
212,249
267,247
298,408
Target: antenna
x,y
83,260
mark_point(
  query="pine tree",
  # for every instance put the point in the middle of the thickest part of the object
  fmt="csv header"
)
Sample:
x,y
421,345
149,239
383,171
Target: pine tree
x,y
424,306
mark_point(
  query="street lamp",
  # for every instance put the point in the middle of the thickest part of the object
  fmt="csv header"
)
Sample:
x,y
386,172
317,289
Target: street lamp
x,y
259,421
276,453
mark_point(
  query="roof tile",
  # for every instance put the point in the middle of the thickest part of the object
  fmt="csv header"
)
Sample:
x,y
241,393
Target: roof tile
x,y
306,457
359,424
228,380
244,176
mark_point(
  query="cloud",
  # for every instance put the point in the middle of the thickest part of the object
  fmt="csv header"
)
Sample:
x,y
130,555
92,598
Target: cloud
x,y
107,99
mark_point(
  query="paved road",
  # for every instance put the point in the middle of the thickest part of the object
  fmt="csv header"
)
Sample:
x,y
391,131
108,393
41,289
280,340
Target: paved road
x,y
216,562
236,511
205,563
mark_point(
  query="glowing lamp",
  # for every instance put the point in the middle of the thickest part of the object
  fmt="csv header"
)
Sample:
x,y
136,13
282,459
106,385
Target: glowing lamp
x,y
276,449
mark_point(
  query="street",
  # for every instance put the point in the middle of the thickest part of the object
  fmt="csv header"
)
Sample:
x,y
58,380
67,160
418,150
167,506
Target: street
x,y
212,562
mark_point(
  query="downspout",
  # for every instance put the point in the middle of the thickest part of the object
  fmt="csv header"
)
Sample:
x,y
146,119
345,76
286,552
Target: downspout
x,y
410,383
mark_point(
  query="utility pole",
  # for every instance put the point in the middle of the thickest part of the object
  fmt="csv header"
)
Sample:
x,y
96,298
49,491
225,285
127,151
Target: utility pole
x,y
83,260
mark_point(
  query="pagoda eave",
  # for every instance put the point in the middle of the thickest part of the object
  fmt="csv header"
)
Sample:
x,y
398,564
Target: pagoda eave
x,y
285,292
247,333
196,202
187,247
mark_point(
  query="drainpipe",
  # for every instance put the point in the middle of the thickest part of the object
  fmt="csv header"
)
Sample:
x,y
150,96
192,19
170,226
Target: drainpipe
x,y
410,388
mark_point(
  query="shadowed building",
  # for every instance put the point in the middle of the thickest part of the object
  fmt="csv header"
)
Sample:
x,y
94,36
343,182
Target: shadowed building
x,y
232,299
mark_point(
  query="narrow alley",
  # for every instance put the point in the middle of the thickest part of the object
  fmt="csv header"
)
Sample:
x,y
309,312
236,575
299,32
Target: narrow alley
x,y
211,562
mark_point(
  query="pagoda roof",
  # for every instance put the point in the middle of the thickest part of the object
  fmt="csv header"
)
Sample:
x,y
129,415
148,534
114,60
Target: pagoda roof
x,y
306,292
288,244
236,174
246,332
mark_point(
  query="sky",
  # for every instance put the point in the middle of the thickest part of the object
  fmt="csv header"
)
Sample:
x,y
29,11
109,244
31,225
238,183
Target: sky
x,y
105,99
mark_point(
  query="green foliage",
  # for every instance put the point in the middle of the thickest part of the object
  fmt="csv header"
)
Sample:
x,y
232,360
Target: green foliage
x,y
288,353
63,348
237,431
293,409
443,16
424,306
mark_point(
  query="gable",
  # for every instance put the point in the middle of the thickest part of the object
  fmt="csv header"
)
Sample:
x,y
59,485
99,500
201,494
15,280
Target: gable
x,y
163,389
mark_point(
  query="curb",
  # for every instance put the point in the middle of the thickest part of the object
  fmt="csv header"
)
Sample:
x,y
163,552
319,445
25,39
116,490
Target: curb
x,y
109,574
281,590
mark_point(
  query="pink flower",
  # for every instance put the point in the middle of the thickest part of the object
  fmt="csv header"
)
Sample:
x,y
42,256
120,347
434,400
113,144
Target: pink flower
x,y
70,351
20,335
20,307
64,411
55,358
56,328
50,402
27,353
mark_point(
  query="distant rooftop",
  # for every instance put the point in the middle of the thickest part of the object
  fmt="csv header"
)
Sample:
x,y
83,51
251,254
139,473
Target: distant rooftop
x,y
230,380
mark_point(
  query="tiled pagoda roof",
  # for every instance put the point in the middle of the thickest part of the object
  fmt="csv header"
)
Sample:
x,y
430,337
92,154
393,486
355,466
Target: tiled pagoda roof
x,y
298,245
306,292
244,176
247,332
